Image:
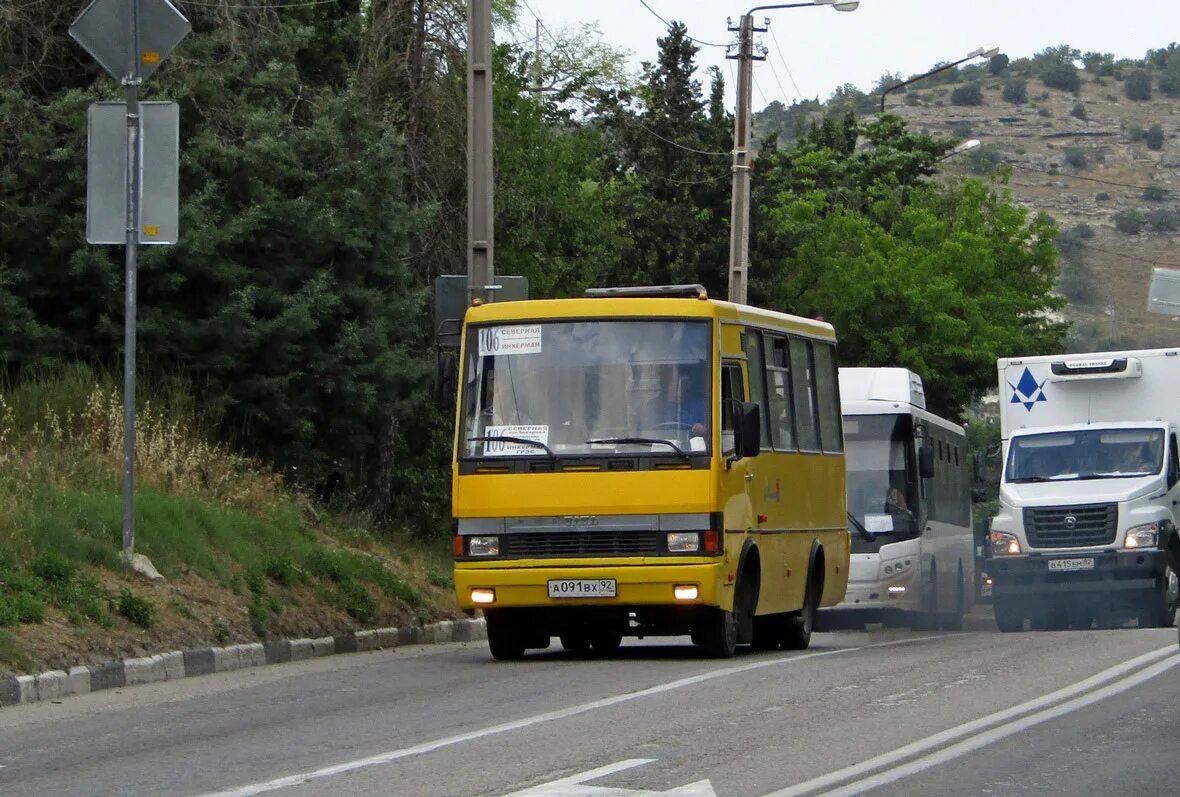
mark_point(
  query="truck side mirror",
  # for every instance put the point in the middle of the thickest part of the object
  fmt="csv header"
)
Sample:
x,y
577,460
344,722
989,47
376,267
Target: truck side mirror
x,y
445,380
749,441
926,462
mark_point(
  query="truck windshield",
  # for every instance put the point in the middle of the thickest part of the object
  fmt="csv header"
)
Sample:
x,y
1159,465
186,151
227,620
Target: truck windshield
x,y
1085,454
882,493
587,387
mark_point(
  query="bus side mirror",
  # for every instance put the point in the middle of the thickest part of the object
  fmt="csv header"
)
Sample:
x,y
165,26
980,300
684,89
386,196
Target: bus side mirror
x,y
926,462
750,439
978,495
977,465
445,380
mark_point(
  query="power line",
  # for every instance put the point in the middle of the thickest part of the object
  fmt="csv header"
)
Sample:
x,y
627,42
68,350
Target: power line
x,y
669,24
299,4
1131,257
774,72
1025,167
779,50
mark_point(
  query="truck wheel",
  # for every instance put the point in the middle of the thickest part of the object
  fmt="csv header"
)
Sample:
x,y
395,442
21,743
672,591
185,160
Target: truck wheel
x,y
505,636
1162,608
1009,616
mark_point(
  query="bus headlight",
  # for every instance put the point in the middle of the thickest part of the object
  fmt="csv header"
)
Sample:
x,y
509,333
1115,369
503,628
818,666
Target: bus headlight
x,y
683,541
1004,544
1144,536
483,546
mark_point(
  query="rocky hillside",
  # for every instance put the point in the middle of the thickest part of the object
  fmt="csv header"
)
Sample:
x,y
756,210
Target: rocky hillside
x,y
1104,165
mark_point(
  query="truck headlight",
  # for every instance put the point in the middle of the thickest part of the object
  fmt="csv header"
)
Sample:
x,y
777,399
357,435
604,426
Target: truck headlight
x,y
1145,536
483,546
1005,544
683,541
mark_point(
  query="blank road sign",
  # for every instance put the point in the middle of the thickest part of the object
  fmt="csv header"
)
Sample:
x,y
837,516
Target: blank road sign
x,y
106,173
104,28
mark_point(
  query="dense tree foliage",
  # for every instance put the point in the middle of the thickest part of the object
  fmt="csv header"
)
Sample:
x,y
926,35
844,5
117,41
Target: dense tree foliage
x,y
323,190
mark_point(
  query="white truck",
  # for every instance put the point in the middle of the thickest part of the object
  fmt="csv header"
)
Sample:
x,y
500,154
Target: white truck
x,y
1086,527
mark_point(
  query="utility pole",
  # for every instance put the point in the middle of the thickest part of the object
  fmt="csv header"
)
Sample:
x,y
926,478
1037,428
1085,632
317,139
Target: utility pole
x,y
739,224
537,57
481,272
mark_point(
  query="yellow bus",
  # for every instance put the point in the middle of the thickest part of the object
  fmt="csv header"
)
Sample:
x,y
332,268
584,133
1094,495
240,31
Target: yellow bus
x,y
647,461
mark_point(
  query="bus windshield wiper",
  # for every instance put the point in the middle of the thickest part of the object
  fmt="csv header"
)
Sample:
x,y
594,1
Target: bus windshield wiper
x,y
510,439
861,530
641,441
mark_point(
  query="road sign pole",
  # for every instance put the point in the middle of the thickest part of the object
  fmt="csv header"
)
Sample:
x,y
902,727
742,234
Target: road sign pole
x,y
134,154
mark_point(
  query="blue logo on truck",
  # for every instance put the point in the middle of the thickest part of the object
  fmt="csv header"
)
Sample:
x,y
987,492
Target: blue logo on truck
x,y
1028,391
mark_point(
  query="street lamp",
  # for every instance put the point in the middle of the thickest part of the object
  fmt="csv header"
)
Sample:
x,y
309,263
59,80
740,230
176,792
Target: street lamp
x,y
978,52
739,222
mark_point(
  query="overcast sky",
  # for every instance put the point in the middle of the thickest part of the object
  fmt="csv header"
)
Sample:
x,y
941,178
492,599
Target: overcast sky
x,y
814,50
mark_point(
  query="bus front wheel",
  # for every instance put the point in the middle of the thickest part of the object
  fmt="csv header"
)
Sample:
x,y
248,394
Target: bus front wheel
x,y
505,636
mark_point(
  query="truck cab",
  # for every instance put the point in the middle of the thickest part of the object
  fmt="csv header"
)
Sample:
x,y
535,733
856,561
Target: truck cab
x,y
1086,528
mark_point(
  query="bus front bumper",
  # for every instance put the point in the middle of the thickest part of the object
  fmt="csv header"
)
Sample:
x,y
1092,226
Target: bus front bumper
x,y
517,585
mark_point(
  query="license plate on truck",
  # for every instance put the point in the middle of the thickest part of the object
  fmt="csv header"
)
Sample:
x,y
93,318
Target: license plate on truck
x,y
582,588
1072,564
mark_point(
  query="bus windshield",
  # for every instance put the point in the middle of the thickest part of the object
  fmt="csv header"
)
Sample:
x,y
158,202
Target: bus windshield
x,y
882,496
1085,454
586,387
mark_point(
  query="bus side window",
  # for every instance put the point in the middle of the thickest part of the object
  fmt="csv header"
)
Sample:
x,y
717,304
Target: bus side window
x,y
778,377
731,388
831,435
1173,462
755,365
803,384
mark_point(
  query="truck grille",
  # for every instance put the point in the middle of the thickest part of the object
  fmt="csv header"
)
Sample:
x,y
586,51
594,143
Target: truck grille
x,y
1052,527
584,543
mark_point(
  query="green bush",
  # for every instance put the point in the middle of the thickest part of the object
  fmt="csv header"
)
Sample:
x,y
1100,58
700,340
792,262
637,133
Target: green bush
x,y
1062,75
1135,131
52,568
1137,85
1164,220
1129,222
1102,196
969,94
1076,157
1154,137
8,613
282,571
136,609
1155,193
29,609
961,130
1078,111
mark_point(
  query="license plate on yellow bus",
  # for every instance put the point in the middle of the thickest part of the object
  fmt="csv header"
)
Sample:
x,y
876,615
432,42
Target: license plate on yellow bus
x,y
582,588
1072,564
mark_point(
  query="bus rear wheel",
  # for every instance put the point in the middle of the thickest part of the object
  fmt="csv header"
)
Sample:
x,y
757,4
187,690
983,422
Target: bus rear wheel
x,y
606,643
797,629
576,643
505,636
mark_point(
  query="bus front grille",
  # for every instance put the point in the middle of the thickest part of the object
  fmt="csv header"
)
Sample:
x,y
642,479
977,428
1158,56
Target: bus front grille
x,y
522,545
1071,526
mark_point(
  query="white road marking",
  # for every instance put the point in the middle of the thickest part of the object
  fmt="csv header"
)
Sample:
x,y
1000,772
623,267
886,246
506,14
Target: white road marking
x,y
549,716
1006,716
575,785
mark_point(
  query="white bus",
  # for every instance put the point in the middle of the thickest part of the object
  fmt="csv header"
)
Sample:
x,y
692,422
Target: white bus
x,y
909,506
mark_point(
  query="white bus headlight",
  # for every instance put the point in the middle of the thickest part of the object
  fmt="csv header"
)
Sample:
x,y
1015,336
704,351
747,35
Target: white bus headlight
x,y
683,541
483,546
1004,544
1144,536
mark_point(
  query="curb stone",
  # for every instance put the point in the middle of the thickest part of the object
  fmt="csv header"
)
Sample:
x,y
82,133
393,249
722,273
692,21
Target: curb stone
x,y
56,684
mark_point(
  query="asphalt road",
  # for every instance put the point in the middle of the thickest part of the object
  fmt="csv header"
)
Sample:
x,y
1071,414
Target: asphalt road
x,y
881,712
